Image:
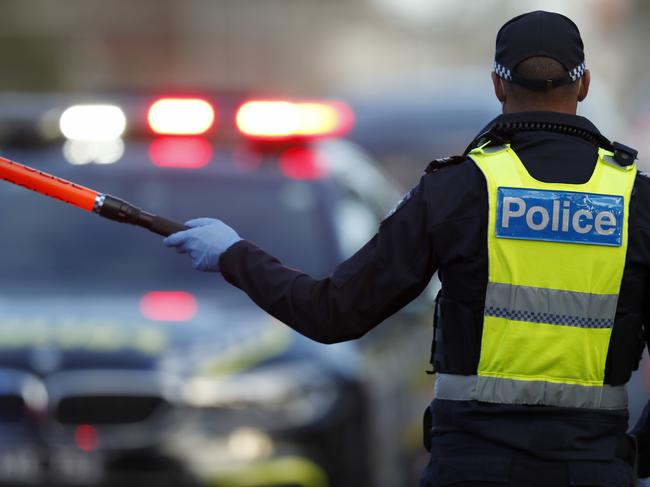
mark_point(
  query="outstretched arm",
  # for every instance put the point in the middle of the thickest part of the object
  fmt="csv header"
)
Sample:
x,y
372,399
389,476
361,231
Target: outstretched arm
x,y
381,278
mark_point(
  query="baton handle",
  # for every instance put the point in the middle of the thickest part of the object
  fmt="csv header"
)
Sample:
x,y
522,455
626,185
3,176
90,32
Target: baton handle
x,y
163,226
119,210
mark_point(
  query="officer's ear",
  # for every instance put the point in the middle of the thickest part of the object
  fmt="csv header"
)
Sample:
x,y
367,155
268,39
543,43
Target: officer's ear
x,y
584,85
499,89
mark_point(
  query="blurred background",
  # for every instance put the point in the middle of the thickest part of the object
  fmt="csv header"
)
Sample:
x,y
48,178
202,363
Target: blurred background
x,y
118,365
408,54
391,50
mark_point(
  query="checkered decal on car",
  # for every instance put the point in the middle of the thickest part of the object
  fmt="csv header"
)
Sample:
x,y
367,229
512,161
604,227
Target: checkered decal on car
x,y
548,318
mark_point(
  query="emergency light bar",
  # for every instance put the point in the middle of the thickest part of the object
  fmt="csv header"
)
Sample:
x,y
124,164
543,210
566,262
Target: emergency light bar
x,y
265,119
273,119
181,116
85,198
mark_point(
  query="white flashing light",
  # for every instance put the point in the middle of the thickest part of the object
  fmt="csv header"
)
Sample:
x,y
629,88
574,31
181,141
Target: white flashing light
x,y
181,116
93,122
283,119
81,152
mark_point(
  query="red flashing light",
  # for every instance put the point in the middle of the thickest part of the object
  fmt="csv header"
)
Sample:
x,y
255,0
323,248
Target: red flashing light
x,y
180,152
301,163
169,306
181,116
86,437
274,119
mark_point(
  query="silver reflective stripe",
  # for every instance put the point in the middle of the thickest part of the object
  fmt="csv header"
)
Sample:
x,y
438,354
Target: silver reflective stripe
x,y
540,305
613,162
509,391
493,149
99,202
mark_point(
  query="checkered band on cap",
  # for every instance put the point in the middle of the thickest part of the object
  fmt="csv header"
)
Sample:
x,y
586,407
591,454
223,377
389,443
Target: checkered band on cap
x,y
577,72
505,73
502,72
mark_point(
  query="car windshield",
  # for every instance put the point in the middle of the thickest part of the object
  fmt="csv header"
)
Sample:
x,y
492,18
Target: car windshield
x,y
48,244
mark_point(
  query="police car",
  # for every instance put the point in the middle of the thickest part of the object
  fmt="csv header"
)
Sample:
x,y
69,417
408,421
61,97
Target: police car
x,y
119,365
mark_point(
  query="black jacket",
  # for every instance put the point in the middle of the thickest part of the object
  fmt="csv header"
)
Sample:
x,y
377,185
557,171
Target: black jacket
x,y
441,226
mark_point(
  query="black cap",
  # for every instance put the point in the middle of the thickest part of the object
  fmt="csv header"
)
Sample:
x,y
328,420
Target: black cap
x,y
539,33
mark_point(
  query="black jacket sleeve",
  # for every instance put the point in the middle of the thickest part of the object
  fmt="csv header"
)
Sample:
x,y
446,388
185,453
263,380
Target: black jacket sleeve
x,y
381,278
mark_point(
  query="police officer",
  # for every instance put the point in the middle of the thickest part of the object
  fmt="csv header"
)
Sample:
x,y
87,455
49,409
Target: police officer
x,y
540,234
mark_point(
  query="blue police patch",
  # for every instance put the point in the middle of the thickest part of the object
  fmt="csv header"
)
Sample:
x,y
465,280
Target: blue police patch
x,y
560,216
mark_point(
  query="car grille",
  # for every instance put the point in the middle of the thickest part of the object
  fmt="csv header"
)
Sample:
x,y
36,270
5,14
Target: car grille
x,y
107,409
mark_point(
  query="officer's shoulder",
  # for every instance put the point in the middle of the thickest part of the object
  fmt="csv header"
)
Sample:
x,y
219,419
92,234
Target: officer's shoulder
x,y
452,179
643,177
445,163
642,185
451,170
641,196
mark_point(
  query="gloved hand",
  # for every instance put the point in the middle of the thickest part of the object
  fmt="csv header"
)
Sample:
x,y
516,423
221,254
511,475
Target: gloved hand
x,y
205,241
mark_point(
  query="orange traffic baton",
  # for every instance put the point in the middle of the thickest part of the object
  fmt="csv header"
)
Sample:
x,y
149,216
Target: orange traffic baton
x,y
87,199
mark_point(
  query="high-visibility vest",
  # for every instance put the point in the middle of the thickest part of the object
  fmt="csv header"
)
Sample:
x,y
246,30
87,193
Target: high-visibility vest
x,y
556,257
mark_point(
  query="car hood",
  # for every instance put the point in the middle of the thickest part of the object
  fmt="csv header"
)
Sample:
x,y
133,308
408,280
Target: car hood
x,y
49,333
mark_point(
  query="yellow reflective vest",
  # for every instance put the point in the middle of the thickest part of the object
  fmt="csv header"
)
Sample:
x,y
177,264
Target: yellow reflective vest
x,y
556,257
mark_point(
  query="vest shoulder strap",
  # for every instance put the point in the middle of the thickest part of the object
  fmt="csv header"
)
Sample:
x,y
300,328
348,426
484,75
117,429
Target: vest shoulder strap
x,y
623,154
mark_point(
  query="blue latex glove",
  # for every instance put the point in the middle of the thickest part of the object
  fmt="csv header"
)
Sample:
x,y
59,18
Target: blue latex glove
x,y
205,241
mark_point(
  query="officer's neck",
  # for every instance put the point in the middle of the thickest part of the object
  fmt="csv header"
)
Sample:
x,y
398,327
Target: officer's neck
x,y
512,106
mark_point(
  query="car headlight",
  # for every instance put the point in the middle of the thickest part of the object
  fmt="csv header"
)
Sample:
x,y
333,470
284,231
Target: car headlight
x,y
296,393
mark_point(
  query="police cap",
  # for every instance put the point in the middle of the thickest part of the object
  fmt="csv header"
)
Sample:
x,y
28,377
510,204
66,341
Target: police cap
x,y
534,34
